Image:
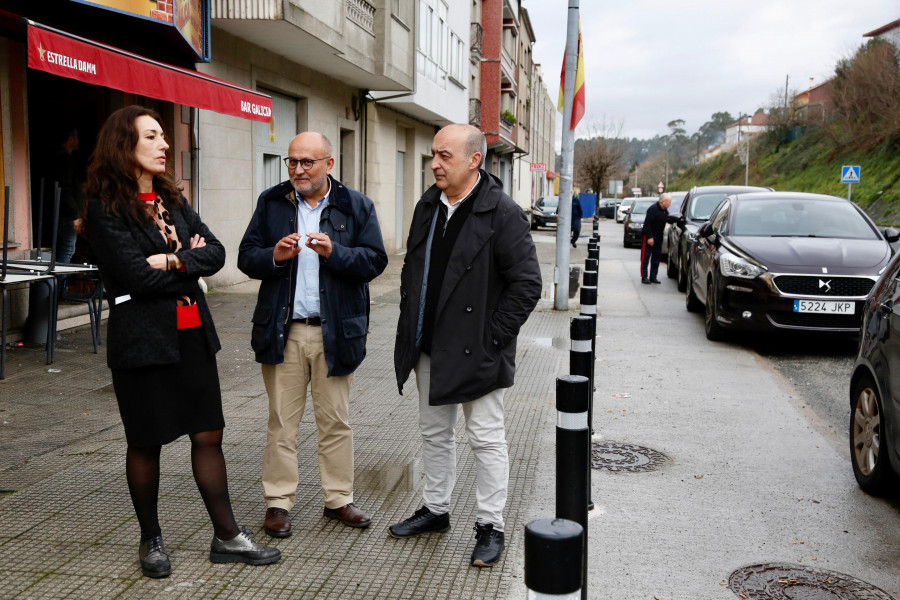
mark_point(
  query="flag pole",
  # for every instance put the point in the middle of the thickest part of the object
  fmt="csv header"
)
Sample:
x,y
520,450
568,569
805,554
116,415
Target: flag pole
x,y
564,212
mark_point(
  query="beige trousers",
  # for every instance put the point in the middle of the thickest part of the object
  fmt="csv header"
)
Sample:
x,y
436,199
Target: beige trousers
x,y
304,366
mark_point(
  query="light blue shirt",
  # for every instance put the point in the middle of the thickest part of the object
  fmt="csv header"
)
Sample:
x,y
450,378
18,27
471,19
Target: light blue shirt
x,y
306,290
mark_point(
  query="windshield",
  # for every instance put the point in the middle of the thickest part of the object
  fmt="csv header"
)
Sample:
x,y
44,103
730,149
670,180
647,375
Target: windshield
x,y
702,206
800,218
549,201
640,207
627,202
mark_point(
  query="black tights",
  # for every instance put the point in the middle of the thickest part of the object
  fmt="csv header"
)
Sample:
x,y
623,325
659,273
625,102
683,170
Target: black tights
x,y
208,463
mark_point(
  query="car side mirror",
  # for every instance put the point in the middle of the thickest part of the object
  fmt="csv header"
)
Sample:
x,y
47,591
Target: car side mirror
x,y
705,230
891,234
673,218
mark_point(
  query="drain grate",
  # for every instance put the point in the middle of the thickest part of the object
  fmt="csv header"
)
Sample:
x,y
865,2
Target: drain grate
x,y
625,458
778,581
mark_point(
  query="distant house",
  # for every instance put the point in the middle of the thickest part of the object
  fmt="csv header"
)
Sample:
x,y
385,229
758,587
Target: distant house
x,y
889,33
814,105
747,126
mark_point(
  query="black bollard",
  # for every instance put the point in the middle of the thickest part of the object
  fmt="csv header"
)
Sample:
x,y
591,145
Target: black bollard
x,y
581,362
553,559
590,278
573,439
588,300
590,264
594,252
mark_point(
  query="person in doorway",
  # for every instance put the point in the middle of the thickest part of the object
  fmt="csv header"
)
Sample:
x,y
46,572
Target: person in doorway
x,y
152,248
576,220
65,173
469,281
316,245
652,239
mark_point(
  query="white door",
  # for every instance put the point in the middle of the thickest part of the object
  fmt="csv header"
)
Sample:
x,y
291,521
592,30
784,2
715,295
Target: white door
x,y
398,236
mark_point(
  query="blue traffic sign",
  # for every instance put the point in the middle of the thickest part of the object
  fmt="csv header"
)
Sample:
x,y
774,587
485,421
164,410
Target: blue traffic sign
x,y
850,174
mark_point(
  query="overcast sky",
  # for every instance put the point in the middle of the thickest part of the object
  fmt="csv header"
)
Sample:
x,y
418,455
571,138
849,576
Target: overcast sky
x,y
648,62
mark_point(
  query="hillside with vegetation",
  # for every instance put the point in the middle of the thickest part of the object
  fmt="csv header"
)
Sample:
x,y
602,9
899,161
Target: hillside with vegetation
x,y
861,127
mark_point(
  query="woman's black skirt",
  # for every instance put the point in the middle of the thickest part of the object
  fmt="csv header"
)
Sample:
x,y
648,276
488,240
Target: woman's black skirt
x,y
160,403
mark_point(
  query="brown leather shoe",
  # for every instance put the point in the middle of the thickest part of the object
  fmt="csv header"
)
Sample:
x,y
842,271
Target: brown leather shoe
x,y
349,515
277,523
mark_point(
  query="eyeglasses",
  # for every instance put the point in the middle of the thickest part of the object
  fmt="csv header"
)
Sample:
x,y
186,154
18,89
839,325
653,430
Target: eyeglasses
x,y
306,163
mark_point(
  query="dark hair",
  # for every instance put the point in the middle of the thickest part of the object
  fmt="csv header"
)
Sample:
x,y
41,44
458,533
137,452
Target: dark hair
x,y
111,171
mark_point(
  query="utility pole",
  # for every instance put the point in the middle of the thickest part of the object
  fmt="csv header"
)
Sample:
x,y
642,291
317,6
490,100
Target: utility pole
x,y
564,212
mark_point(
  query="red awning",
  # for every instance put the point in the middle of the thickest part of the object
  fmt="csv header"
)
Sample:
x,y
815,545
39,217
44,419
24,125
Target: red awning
x,y
69,56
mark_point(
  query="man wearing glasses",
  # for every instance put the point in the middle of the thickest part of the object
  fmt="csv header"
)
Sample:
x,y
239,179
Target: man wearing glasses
x,y
316,245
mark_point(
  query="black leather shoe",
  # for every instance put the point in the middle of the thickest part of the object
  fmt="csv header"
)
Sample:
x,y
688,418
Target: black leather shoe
x,y
422,521
349,515
242,549
154,559
645,280
277,523
655,280
488,546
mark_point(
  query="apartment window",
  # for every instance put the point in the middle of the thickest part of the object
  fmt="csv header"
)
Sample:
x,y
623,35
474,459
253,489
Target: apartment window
x,y
401,9
436,44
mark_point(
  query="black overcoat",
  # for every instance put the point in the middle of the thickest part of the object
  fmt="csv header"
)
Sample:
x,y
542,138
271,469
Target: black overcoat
x,y
142,328
492,283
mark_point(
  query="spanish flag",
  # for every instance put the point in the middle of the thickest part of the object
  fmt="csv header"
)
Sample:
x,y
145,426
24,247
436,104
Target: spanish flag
x,y
578,103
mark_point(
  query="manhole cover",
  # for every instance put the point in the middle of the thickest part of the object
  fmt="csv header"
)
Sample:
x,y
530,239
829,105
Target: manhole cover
x,y
774,581
625,458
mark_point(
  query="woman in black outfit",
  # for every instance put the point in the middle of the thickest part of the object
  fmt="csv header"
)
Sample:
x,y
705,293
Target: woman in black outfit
x,y
152,248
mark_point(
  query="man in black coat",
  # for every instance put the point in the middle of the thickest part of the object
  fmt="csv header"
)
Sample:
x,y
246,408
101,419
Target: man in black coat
x,y
576,219
652,240
316,245
470,279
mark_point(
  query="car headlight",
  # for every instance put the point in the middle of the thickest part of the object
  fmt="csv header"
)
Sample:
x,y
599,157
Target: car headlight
x,y
733,266
635,226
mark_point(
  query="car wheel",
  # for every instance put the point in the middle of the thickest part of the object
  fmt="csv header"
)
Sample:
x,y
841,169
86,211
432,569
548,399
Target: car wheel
x,y
671,273
868,449
714,330
691,302
533,223
683,270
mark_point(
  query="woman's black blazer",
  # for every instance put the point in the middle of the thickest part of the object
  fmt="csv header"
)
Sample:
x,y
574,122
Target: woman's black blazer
x,y
142,328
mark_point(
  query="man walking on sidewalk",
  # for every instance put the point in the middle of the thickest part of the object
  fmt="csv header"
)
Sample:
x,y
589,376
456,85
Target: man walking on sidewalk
x,y
315,244
652,240
469,281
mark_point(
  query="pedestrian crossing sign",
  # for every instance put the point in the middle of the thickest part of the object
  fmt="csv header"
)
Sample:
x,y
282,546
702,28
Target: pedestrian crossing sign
x,y
850,174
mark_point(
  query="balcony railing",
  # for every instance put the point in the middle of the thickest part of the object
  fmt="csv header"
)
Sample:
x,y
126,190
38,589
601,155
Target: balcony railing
x,y
475,112
477,36
362,12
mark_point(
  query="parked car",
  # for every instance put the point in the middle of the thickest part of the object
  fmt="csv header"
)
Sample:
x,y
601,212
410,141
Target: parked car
x,y
543,212
782,261
607,207
687,217
677,199
874,391
634,221
623,208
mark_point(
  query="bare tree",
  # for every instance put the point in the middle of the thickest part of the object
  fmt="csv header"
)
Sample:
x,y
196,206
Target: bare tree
x,y
601,157
867,90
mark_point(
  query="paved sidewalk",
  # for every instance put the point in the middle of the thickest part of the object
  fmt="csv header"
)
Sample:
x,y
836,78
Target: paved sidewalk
x,y
68,530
